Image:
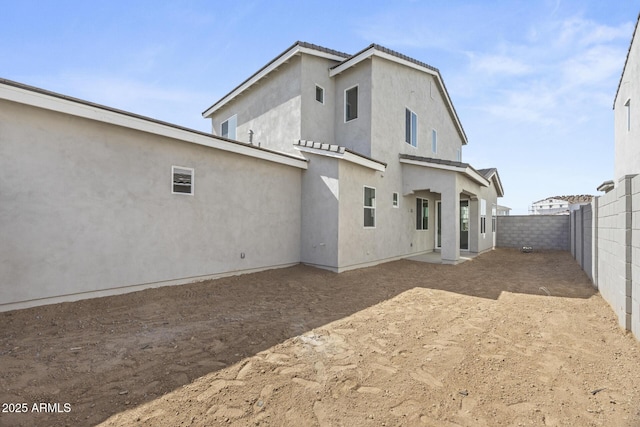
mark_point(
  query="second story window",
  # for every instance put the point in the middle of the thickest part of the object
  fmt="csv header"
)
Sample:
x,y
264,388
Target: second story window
x,y
228,127
411,128
319,94
628,108
351,104
434,141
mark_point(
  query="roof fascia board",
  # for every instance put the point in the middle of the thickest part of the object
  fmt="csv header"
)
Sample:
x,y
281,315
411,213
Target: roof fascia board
x,y
274,65
94,112
354,60
348,156
470,172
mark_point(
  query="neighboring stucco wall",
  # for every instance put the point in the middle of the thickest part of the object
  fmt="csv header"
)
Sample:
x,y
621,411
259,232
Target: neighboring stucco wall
x,y
270,108
627,132
542,232
87,207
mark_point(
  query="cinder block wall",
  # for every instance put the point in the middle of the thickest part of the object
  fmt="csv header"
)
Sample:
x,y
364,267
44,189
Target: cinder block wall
x,y
542,232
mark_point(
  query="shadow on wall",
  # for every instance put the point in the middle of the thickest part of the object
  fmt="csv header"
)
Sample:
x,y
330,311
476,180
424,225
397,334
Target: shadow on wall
x,y
133,348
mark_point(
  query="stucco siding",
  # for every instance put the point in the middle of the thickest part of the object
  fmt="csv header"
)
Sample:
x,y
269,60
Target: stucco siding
x,y
321,195
271,109
354,134
397,88
87,207
318,118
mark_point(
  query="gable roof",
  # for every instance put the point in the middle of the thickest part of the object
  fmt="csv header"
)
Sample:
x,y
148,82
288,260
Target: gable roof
x,y
626,61
344,62
295,49
492,175
41,98
397,57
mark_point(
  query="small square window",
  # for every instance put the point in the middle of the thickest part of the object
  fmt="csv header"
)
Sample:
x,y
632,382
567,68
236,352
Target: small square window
x,y
182,180
319,94
351,104
395,200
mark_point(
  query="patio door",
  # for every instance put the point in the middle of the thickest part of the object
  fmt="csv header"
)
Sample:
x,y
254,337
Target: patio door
x,y
464,225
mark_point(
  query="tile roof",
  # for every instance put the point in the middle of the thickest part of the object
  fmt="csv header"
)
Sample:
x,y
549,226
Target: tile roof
x,y
393,53
436,161
581,198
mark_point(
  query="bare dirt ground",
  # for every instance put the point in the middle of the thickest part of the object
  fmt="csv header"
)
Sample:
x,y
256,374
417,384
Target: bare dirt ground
x,y
506,339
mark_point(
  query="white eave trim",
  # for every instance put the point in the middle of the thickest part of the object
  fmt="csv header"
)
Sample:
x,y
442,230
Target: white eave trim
x,y
94,112
348,156
470,172
283,59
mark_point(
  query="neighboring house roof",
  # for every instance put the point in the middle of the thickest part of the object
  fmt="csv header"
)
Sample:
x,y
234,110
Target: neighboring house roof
x,y
337,151
626,60
295,49
41,98
383,52
345,61
581,198
466,168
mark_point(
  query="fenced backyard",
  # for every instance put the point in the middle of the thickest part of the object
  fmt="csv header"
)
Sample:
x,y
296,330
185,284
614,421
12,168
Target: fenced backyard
x,y
506,338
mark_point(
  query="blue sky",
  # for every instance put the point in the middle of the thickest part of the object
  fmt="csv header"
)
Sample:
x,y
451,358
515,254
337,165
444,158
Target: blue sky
x,y
532,81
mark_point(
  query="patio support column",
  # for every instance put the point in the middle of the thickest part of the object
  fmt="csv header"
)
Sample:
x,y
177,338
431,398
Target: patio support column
x,y
450,227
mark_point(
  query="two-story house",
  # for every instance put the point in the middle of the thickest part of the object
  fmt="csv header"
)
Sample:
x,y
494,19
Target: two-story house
x,y
383,141
334,160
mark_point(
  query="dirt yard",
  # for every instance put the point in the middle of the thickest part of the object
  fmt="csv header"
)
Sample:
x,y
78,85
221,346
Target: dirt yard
x,y
506,339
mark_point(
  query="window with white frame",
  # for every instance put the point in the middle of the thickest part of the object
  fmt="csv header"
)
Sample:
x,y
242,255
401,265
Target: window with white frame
x,y
627,106
483,217
320,94
396,200
369,207
459,155
434,141
422,214
411,128
228,127
182,180
351,104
